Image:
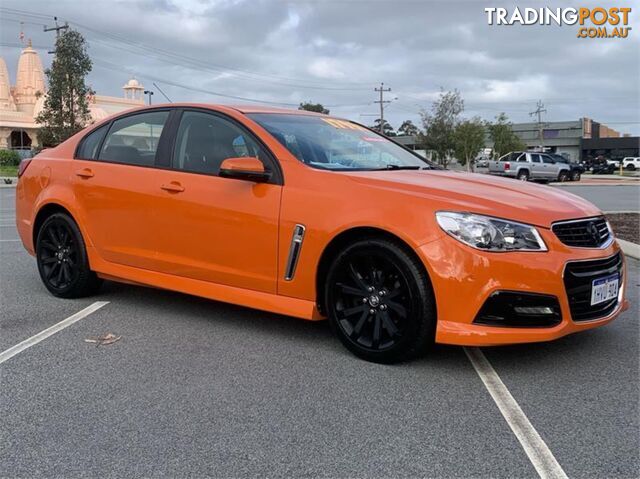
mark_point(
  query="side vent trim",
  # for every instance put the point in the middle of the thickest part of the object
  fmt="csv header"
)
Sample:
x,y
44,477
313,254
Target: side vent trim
x,y
294,251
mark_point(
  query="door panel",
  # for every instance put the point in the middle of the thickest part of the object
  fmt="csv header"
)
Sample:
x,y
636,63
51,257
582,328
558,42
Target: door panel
x,y
117,202
537,170
211,228
551,169
116,186
218,229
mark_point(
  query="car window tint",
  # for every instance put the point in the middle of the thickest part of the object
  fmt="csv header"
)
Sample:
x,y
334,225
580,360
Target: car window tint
x,y
522,158
535,158
89,147
547,159
204,141
134,139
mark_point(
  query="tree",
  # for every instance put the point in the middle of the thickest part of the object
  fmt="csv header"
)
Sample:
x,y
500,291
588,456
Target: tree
x,y
503,137
469,137
387,129
439,125
317,107
66,110
408,128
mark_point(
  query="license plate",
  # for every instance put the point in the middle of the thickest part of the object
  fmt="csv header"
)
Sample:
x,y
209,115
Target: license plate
x,y
604,289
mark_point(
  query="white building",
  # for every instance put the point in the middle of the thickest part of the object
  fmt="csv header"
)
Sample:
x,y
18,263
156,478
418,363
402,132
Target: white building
x,y
21,103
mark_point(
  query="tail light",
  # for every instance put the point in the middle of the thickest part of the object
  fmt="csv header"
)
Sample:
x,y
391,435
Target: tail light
x,y
507,166
24,164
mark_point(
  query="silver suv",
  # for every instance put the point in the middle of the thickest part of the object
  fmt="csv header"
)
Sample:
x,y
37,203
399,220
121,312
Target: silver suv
x,y
530,166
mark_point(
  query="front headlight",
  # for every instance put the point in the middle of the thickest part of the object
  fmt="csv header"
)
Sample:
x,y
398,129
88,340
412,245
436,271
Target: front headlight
x,y
490,234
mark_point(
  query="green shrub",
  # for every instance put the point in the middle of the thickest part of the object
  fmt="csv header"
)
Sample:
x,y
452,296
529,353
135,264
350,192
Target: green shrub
x,y
9,158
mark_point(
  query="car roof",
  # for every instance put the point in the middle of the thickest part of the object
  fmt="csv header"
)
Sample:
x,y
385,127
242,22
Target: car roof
x,y
271,109
242,108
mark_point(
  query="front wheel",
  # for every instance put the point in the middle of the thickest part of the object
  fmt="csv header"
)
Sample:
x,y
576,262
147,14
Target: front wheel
x,y
62,258
380,302
563,176
576,176
631,167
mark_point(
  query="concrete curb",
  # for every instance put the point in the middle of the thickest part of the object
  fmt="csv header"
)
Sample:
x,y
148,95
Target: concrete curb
x,y
632,250
580,183
12,185
621,212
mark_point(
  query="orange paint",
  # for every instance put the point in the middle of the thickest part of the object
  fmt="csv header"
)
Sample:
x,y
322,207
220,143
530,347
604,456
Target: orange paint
x,y
228,239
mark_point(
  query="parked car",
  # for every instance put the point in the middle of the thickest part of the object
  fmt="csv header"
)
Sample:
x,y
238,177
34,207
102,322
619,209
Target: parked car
x,y
631,163
527,166
575,169
614,163
316,217
600,166
482,163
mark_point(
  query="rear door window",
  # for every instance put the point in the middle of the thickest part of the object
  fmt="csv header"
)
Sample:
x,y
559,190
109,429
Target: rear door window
x,y
535,158
134,139
89,147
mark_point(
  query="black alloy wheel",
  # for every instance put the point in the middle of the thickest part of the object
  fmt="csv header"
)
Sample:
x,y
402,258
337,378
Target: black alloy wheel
x,y
379,302
62,258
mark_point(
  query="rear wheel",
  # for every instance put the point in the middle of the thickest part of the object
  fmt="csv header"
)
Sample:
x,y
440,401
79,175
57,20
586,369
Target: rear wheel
x,y
523,175
380,302
62,258
631,167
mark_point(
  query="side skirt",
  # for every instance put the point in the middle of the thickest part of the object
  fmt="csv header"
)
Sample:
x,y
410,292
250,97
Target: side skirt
x,y
299,308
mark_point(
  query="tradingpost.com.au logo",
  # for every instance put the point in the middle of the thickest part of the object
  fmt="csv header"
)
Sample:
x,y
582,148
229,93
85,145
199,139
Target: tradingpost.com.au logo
x,y
594,22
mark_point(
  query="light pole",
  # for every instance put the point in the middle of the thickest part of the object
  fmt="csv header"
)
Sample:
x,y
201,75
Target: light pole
x,y
150,93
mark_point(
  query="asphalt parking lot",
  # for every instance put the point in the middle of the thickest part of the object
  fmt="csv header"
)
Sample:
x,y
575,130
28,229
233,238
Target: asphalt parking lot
x,y
197,388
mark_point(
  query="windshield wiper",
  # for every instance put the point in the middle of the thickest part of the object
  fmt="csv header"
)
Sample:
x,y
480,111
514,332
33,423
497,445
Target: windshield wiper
x,y
401,167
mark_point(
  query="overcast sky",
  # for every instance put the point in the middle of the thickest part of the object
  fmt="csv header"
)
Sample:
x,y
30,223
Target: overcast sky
x,y
336,52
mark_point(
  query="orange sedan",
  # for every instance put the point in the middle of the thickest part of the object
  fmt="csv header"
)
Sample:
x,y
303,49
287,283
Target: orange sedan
x,y
316,217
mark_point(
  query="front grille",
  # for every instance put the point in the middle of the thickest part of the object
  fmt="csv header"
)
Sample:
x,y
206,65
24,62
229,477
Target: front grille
x,y
578,277
587,233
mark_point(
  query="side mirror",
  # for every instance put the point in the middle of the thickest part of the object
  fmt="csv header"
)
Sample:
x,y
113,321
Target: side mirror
x,y
244,168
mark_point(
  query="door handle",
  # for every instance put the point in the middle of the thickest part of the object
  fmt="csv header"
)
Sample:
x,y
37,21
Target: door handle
x,y
84,173
173,187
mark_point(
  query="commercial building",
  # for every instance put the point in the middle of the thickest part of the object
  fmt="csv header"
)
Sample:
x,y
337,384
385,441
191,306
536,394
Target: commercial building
x,y
21,102
578,140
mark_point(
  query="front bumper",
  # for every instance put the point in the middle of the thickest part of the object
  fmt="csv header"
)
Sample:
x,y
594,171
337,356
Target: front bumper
x,y
463,278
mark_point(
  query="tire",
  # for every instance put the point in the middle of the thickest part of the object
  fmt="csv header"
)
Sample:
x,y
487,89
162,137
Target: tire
x,y
62,258
630,167
379,301
523,175
563,176
576,176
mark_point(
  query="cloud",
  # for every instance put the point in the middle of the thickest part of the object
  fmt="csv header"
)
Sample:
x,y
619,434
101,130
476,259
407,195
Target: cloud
x,y
536,86
336,52
325,68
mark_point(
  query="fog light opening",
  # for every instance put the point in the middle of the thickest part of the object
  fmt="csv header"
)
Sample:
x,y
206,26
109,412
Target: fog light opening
x,y
519,310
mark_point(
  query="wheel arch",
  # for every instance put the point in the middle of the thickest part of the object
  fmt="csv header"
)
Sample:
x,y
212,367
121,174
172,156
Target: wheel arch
x,y
346,237
43,213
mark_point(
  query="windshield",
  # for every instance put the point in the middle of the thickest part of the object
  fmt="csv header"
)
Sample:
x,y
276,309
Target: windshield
x,y
333,144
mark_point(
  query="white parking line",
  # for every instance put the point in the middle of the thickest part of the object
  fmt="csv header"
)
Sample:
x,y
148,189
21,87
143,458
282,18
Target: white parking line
x,y
42,335
536,449
9,240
